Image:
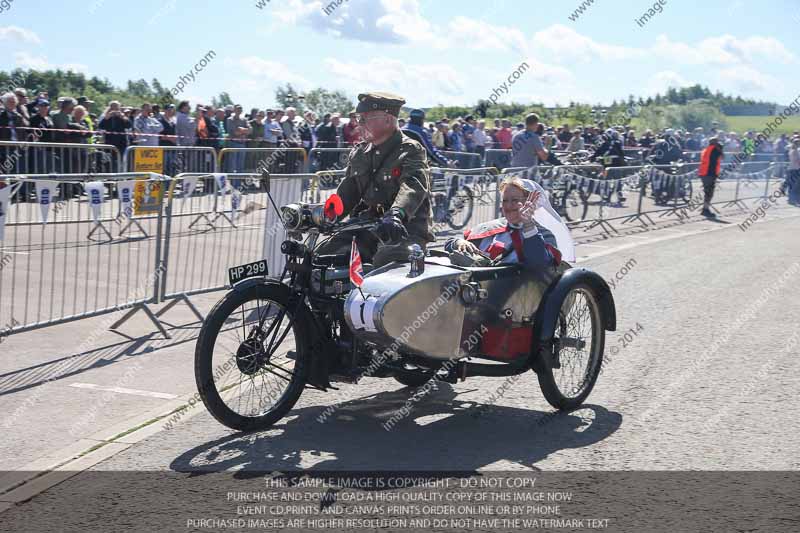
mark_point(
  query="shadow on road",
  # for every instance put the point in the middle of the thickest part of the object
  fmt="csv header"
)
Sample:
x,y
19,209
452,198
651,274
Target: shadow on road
x,y
441,433
71,365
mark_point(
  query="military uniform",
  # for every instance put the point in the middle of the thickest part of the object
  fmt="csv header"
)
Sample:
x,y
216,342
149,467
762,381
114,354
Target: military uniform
x,y
391,176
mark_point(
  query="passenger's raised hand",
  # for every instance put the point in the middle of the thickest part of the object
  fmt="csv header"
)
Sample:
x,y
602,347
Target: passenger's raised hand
x,y
527,209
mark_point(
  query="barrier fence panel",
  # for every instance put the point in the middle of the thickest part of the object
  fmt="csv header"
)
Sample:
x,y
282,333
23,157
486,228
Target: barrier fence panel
x,y
236,224
328,159
463,198
253,160
323,185
754,180
669,190
497,158
465,159
170,160
70,257
55,158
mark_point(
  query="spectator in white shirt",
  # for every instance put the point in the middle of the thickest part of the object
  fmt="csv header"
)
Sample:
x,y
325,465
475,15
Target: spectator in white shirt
x,y
289,127
147,127
479,138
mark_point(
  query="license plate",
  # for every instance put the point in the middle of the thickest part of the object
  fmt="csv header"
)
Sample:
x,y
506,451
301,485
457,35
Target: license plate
x,y
250,270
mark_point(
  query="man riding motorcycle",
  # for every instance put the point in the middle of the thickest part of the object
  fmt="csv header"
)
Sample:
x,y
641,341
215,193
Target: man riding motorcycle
x,y
387,179
611,154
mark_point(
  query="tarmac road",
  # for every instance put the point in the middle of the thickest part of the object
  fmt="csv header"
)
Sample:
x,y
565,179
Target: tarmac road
x,y
702,374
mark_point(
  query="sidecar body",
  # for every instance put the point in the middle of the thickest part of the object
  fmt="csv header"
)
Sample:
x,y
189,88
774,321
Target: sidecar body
x,y
451,312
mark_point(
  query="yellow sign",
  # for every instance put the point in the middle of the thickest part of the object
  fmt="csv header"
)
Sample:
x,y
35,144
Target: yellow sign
x,y
147,197
148,160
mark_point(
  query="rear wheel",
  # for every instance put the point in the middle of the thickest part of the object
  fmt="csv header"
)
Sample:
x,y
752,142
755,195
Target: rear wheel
x,y
574,205
251,359
570,372
460,209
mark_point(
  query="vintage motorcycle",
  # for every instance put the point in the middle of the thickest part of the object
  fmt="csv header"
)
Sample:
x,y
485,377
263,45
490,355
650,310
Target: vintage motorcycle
x,y
270,337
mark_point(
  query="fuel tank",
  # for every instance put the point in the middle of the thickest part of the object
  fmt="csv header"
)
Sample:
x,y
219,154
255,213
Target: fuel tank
x,y
436,311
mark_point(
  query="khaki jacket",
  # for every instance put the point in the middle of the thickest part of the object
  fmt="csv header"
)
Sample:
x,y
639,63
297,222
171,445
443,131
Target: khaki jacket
x,y
393,174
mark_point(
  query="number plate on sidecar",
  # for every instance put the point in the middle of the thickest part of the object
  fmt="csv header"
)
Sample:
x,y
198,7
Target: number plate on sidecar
x,y
250,270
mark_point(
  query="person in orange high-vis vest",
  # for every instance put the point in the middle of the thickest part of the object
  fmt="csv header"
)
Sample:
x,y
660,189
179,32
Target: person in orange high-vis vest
x,y
710,163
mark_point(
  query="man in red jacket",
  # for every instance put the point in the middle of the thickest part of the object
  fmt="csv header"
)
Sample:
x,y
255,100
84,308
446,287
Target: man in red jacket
x,y
710,162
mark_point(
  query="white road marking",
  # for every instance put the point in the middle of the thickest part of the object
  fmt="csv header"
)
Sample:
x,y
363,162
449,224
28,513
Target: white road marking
x,y
123,390
595,245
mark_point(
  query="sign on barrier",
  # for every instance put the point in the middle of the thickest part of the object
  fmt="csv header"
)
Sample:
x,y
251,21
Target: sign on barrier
x,y
147,197
149,160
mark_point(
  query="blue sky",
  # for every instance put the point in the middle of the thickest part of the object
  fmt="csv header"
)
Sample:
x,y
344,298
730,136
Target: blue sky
x,y
430,52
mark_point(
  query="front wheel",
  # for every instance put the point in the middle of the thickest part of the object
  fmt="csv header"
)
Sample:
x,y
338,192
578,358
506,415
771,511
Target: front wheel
x,y
251,359
570,371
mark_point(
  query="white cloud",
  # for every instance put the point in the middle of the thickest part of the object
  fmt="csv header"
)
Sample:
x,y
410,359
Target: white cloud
x,y
748,81
486,36
562,42
260,68
423,83
382,21
723,50
15,33
26,60
559,41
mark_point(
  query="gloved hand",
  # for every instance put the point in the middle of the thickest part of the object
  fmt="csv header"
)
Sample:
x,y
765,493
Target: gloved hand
x,y
391,228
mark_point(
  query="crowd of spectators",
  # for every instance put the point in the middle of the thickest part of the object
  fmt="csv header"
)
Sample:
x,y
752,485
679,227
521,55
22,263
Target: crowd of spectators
x,y
77,121
468,135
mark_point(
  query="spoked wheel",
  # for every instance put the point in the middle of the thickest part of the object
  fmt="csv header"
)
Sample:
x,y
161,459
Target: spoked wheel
x,y
570,374
574,205
251,359
460,209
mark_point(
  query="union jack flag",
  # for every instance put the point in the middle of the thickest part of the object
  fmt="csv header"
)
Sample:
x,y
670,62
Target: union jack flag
x,y
356,268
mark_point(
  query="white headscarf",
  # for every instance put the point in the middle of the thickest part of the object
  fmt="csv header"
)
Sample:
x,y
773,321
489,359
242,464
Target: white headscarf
x,y
547,217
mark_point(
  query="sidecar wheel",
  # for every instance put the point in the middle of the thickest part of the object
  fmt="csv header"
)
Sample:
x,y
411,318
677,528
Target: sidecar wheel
x,y
569,374
252,358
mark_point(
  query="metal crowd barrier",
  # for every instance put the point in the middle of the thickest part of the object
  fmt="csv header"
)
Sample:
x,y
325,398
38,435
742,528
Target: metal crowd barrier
x,y
205,234
172,160
465,159
253,160
97,253
328,159
24,157
476,197
497,158
131,240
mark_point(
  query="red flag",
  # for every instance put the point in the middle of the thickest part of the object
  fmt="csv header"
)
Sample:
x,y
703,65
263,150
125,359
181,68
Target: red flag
x,y
356,268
